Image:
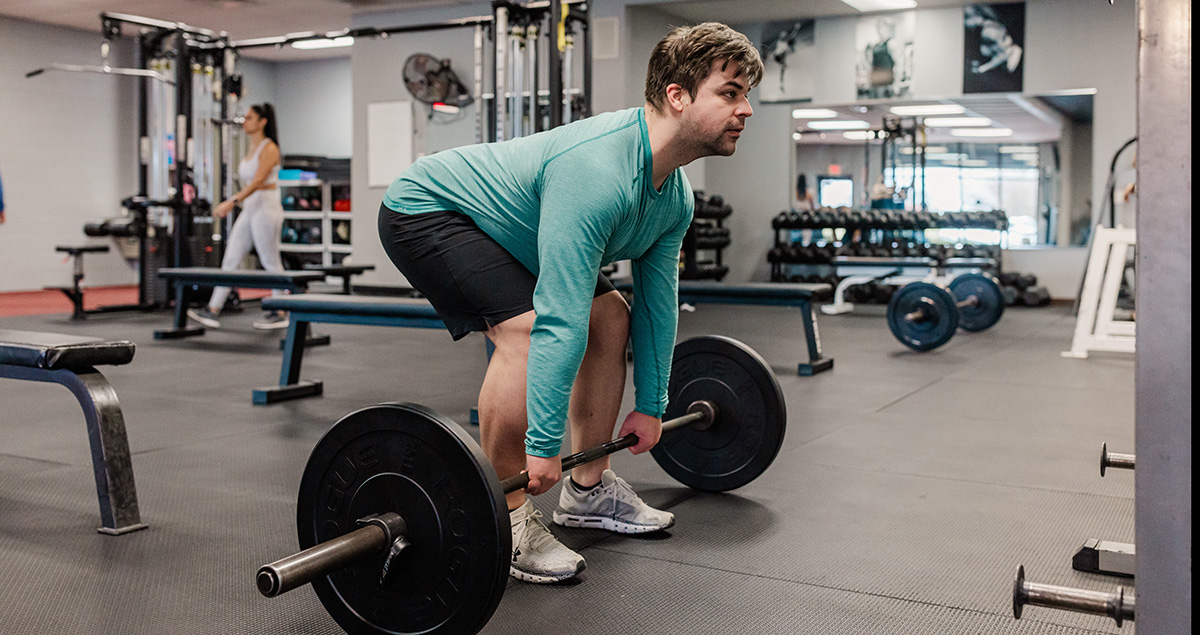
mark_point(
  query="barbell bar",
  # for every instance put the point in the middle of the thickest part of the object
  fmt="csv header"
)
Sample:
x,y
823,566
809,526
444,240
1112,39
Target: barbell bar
x,y
403,525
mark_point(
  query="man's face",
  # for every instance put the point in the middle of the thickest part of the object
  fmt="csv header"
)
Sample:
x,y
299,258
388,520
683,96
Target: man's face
x,y
715,118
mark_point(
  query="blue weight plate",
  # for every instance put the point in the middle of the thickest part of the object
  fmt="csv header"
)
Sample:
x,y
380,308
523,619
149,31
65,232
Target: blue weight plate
x,y
990,301
751,415
407,459
937,320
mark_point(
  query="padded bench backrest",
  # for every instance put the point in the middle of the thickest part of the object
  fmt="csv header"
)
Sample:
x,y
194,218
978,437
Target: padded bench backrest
x,y
52,351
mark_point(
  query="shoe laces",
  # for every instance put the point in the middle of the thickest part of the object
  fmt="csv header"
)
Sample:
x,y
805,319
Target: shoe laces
x,y
623,491
537,535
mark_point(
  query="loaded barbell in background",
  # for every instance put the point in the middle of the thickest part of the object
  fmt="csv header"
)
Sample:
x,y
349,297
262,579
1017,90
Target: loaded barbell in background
x,y
925,315
403,524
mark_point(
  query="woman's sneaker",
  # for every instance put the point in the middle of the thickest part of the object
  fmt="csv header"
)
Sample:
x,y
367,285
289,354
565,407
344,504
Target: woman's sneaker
x,y
537,555
272,321
611,505
205,317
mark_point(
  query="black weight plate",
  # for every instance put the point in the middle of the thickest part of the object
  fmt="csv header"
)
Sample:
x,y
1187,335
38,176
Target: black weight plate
x,y
407,459
990,306
749,428
940,318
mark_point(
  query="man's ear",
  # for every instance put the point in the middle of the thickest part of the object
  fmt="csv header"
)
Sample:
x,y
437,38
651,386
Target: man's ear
x,y
677,97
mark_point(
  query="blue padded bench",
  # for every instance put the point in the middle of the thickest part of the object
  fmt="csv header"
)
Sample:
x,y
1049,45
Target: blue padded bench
x,y
797,294
70,361
184,277
334,309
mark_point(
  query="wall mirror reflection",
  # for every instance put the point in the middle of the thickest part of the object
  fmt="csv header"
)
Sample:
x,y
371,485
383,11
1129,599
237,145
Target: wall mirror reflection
x,y
1028,155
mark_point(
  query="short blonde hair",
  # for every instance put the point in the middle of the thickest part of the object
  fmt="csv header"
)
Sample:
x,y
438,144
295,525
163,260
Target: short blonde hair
x,y
686,55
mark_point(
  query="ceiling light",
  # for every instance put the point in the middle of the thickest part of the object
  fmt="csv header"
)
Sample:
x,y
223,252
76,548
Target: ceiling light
x,y
927,109
880,5
859,135
945,156
929,150
956,122
1018,149
981,132
797,136
974,163
839,124
323,43
813,113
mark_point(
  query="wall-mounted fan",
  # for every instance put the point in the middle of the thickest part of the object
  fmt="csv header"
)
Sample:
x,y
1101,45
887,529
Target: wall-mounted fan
x,y
431,81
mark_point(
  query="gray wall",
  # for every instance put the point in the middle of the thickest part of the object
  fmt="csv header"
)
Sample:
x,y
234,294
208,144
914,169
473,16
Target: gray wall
x,y
67,154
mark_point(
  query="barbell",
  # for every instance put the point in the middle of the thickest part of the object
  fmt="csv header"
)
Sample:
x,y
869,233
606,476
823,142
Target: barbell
x,y
925,315
403,525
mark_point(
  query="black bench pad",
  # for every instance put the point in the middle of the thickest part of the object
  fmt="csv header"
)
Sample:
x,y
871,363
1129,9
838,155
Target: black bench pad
x,y
51,351
256,279
748,290
356,305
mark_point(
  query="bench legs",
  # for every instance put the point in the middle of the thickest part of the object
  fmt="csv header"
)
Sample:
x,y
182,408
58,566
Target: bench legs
x,y
111,463
812,337
181,326
290,386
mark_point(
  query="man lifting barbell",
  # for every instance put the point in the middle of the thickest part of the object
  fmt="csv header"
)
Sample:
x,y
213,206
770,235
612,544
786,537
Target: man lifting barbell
x,y
509,238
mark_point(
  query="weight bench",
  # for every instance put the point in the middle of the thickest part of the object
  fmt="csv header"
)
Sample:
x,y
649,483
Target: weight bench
x,y
340,271
74,292
184,277
70,361
334,309
797,294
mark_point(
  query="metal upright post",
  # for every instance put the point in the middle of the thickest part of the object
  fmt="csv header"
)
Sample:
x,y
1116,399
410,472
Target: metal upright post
x,y
555,83
1163,366
501,68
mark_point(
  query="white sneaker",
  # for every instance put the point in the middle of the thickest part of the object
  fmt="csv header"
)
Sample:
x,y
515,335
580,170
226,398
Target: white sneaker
x,y
272,321
204,316
537,555
611,505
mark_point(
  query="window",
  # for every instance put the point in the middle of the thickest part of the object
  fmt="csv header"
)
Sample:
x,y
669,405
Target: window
x,y
835,191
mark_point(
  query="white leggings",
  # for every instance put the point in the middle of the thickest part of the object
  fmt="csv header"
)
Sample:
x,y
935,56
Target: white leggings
x,y
258,226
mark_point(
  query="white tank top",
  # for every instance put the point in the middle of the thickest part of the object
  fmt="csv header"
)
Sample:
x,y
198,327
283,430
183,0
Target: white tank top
x,y
249,166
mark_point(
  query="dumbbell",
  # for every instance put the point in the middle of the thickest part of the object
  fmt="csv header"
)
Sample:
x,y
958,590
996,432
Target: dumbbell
x,y
1119,605
925,315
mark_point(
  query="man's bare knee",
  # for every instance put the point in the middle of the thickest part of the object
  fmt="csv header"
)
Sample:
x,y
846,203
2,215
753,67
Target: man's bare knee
x,y
609,322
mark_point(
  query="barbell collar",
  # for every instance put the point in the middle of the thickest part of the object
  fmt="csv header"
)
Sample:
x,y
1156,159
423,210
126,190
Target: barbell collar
x,y
1119,605
1114,459
377,534
700,413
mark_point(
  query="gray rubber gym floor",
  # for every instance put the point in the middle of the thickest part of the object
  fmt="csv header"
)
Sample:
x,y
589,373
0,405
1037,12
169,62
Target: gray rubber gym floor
x,y
909,488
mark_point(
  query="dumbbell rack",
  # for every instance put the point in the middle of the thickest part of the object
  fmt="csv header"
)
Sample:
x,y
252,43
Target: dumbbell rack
x,y
706,238
884,234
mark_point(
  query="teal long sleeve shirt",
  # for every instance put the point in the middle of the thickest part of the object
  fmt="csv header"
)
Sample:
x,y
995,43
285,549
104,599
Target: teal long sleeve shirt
x,y
565,203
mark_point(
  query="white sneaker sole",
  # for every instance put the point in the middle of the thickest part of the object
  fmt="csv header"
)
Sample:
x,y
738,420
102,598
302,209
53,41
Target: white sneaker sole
x,y
537,578
269,326
610,524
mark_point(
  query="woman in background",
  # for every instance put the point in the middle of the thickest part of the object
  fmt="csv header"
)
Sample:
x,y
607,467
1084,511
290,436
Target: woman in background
x,y
261,219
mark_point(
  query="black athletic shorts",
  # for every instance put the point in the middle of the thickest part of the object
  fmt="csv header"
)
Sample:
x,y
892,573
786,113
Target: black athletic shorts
x,y
470,280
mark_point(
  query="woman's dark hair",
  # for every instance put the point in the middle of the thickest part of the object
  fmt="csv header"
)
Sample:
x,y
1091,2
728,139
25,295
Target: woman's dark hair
x,y
267,111
801,186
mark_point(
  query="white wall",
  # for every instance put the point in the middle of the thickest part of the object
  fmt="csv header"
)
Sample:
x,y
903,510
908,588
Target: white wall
x,y
67,155
315,106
